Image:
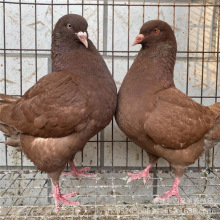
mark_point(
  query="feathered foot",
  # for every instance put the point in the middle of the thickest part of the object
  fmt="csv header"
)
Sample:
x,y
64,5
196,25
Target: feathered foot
x,y
143,174
172,192
61,198
79,172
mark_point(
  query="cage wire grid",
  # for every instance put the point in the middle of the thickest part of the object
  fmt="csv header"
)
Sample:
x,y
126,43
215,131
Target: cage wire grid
x,y
25,40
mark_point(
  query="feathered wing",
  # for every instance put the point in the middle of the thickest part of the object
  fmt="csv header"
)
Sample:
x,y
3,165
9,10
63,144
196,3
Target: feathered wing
x,y
54,107
190,121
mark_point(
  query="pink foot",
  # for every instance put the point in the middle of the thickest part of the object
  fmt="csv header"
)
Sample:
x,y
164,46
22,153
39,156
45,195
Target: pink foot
x,y
172,192
143,174
79,172
61,198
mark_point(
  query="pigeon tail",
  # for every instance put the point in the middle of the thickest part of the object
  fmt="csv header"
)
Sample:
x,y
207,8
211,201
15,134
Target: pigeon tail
x,y
8,98
215,108
13,136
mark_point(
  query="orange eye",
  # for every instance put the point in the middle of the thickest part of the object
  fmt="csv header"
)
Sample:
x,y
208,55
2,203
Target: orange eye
x,y
156,30
69,26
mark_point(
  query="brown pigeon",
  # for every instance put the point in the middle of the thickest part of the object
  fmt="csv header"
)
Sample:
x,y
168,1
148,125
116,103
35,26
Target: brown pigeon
x,y
58,115
157,116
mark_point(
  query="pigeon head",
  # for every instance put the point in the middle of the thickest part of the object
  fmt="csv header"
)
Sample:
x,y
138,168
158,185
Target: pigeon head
x,y
154,32
71,29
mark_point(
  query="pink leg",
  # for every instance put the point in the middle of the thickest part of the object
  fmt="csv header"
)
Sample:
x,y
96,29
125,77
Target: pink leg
x,y
61,198
172,192
79,172
143,174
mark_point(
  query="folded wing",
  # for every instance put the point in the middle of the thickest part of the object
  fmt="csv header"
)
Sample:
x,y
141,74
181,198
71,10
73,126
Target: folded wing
x,y
190,121
54,107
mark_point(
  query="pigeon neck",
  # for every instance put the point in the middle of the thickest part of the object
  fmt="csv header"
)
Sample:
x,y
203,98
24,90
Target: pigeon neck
x,y
161,58
63,56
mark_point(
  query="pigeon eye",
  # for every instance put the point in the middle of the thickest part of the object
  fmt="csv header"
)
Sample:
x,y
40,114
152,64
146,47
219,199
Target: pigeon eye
x,y
156,30
69,26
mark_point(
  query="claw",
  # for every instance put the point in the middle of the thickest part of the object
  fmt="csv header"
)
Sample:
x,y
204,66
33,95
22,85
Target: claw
x,y
172,192
79,172
61,198
143,174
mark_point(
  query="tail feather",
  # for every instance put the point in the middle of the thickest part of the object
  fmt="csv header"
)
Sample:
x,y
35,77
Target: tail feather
x,y
8,98
7,130
14,141
215,108
13,136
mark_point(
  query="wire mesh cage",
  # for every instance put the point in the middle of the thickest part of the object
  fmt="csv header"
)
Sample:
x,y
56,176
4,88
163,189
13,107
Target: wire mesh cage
x,y
25,41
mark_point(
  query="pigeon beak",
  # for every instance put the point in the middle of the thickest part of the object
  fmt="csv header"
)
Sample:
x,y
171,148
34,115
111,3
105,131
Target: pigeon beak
x,y
83,38
138,39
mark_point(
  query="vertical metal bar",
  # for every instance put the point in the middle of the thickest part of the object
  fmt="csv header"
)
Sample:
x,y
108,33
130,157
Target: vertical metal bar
x,y
50,69
155,182
217,54
214,28
48,181
82,149
5,75
113,21
142,150
213,157
21,86
97,24
174,3
105,39
98,156
4,33
217,67
158,9
49,189
105,27
51,16
82,7
203,49
68,7
174,14
202,79
50,60
105,48
35,30
105,44
187,55
158,17
20,49
128,55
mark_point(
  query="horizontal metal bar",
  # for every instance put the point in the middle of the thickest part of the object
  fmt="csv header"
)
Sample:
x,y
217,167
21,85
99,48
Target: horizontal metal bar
x,y
31,169
115,4
105,51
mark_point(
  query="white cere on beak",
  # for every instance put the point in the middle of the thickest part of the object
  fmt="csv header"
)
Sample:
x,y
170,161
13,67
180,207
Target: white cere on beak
x,y
83,38
81,34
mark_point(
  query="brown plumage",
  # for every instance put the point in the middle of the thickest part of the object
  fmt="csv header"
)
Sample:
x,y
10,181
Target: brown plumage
x,y
58,115
157,116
